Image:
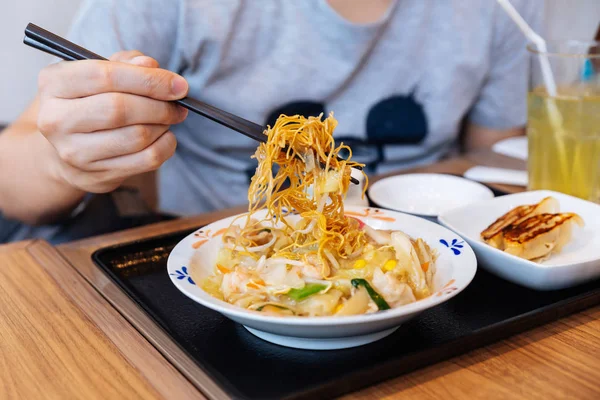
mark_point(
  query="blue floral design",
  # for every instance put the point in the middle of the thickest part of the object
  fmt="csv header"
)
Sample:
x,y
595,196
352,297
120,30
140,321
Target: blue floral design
x,y
183,274
455,245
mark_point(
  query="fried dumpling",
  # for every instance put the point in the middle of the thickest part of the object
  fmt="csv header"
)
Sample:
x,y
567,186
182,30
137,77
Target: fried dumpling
x,y
493,235
540,235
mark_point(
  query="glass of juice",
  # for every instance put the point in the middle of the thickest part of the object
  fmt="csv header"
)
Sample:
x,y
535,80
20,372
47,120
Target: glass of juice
x,y
563,129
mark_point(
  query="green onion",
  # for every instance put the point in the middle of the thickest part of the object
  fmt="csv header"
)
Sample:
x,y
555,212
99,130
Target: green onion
x,y
308,290
376,297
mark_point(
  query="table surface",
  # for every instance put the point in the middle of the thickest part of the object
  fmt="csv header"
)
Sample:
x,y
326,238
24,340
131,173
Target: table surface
x,y
67,332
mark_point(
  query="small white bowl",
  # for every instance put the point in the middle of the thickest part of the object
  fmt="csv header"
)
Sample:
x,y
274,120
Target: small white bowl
x,y
195,256
577,263
427,195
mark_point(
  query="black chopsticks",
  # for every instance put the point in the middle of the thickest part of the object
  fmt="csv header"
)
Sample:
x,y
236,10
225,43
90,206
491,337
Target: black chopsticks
x,y
48,42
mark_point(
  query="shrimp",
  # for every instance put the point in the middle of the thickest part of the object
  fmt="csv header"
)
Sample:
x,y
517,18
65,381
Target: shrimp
x,y
315,268
234,282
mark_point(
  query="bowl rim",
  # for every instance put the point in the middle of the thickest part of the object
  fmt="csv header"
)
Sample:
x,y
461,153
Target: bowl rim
x,y
485,192
466,273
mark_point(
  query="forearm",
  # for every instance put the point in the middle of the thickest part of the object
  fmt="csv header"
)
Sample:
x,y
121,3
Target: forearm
x,y
31,189
478,137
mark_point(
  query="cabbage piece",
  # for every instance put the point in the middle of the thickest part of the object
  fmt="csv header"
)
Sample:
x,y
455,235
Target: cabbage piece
x,y
409,261
379,236
279,279
357,304
320,304
226,259
427,260
329,183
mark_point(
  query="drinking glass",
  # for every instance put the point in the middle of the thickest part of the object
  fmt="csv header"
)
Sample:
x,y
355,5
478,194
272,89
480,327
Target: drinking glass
x,y
563,131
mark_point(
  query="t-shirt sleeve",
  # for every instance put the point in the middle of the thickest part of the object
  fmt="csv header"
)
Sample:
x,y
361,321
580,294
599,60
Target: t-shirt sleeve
x,y
502,101
150,26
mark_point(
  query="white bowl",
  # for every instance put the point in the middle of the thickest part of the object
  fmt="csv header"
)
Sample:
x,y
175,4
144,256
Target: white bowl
x,y
577,263
427,195
194,258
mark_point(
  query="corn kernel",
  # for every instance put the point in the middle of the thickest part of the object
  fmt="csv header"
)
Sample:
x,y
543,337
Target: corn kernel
x,y
390,265
360,264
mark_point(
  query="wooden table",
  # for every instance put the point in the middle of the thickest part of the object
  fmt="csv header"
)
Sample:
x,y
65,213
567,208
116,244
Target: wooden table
x,y
63,335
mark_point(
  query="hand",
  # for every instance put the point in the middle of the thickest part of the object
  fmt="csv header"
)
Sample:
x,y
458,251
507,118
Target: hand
x,y
108,120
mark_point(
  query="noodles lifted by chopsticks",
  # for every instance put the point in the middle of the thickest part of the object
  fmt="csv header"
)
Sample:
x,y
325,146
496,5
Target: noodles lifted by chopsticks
x,y
303,256
307,156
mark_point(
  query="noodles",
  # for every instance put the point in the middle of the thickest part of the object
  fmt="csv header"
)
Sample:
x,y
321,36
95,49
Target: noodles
x,y
304,256
307,157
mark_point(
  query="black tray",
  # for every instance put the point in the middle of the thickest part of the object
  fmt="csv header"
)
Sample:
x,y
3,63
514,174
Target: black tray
x,y
246,367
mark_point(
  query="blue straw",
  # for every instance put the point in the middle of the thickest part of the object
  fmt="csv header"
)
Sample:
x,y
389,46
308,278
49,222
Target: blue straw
x,y
587,72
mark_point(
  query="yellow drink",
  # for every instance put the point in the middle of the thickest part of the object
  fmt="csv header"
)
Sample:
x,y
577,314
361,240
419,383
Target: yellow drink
x,y
565,157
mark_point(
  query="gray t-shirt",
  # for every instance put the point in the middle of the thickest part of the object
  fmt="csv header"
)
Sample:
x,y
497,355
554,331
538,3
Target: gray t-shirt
x,y
400,88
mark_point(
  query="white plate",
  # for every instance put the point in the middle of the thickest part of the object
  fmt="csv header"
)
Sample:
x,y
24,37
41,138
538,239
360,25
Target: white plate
x,y
507,176
194,258
515,147
577,263
426,195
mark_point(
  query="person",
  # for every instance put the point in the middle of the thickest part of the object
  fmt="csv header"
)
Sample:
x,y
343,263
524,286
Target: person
x,y
405,79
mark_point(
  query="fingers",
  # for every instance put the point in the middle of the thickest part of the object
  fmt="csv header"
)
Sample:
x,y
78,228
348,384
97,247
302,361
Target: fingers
x,y
75,79
105,111
149,159
112,172
135,57
83,150
125,56
144,61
